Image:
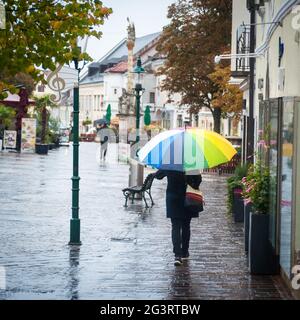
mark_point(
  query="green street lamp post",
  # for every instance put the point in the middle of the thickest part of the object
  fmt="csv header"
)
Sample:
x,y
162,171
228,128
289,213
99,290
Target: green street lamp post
x,y
139,70
75,221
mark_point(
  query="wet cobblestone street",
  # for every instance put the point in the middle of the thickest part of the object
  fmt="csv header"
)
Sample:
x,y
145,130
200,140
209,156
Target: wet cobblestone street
x,y
126,253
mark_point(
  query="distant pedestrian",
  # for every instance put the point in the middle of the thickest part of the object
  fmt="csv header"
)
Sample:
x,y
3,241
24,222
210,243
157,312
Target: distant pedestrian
x,y
179,214
103,132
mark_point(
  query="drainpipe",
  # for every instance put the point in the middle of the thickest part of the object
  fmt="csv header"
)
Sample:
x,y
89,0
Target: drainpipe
x,y
251,6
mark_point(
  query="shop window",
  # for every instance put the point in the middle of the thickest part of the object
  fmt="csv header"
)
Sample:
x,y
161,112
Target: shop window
x,y
272,135
287,173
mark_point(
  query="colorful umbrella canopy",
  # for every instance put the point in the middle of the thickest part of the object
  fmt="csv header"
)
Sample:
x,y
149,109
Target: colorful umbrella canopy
x,y
186,150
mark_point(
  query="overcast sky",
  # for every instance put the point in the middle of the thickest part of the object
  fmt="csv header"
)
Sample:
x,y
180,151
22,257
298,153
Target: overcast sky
x,y
149,16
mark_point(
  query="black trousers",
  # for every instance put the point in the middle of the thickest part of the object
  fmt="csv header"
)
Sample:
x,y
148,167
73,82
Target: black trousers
x,y
181,234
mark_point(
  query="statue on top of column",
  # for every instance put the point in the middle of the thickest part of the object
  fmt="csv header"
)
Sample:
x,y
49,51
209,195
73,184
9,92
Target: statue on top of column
x,y
130,31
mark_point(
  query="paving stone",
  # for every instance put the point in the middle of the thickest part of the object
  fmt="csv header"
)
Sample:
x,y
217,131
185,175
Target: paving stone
x,y
126,253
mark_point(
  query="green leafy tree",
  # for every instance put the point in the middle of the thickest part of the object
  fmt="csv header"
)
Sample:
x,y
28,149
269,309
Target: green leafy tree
x,y
40,34
7,116
147,116
42,105
108,114
228,97
198,31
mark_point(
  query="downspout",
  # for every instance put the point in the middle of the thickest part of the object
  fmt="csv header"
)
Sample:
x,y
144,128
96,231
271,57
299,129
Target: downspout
x,y
251,6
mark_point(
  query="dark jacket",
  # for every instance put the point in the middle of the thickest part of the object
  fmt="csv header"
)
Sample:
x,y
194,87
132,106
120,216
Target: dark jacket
x,y
175,195
103,132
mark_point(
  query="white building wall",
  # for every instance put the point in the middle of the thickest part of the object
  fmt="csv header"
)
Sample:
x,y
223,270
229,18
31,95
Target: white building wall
x,y
113,85
240,15
284,79
90,104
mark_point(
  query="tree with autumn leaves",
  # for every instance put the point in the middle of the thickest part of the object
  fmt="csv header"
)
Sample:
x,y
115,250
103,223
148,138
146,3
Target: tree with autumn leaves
x,y
40,34
228,97
198,31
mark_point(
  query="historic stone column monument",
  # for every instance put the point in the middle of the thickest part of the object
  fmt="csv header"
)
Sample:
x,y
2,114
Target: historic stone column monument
x,y
127,100
127,116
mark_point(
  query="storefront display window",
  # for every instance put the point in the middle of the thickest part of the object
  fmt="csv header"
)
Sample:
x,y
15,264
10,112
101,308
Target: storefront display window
x,y
287,172
273,144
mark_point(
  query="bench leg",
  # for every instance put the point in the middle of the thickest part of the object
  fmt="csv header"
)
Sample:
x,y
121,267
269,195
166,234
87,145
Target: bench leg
x,y
151,199
126,199
150,196
143,195
132,198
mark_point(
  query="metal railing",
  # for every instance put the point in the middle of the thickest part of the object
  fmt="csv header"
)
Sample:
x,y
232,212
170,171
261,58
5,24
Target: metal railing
x,y
243,47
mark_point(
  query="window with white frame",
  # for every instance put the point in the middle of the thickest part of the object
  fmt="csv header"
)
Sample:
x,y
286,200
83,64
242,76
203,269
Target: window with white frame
x,y
152,97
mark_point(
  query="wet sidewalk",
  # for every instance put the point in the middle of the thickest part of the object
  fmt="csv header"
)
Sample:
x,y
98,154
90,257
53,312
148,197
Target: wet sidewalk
x,y
126,253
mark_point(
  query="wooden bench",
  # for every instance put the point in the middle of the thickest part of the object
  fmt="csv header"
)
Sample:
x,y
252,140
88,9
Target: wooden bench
x,y
131,192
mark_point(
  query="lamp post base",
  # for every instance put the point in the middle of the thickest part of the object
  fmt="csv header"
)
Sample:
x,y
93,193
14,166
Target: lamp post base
x,y
75,232
136,175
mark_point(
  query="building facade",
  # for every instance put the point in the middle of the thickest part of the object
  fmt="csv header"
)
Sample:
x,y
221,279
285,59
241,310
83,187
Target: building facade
x,y
276,111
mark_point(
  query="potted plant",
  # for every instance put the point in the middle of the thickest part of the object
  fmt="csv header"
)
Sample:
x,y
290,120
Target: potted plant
x,y
256,191
235,200
53,133
247,210
41,108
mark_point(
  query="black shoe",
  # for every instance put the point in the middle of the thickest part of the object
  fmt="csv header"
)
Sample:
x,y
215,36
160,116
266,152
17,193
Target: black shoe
x,y
185,256
177,262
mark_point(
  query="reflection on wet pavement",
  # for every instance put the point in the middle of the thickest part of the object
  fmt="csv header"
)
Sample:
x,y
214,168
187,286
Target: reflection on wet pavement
x,y
126,252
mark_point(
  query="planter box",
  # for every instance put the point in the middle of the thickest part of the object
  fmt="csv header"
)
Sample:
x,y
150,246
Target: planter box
x,y
247,210
262,259
238,205
51,146
41,148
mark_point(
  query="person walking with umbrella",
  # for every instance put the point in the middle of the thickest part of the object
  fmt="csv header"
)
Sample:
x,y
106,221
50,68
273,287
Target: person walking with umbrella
x,y
179,155
179,214
104,134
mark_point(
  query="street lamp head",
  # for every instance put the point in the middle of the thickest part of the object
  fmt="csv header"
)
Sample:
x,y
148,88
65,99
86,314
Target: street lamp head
x,y
138,87
78,51
139,69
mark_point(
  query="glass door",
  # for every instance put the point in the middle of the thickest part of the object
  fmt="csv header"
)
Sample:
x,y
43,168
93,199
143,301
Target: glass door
x,y
273,142
287,146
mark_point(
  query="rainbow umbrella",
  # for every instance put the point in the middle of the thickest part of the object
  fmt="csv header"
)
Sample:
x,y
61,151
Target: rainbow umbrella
x,y
186,150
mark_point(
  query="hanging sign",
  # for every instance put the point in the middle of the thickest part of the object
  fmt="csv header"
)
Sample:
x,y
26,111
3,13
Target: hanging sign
x,y
61,80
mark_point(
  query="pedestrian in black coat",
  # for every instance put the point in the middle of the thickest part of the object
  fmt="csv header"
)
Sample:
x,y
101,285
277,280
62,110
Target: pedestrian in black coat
x,y
104,134
180,215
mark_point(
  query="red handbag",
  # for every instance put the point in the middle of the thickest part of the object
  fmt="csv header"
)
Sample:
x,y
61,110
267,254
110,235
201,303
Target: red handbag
x,y
194,199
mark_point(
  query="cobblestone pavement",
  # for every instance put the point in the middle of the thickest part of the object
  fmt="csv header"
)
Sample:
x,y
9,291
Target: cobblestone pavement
x,y
126,253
